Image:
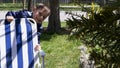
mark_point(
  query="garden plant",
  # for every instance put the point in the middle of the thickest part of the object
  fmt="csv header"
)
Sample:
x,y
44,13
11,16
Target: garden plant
x,y
100,32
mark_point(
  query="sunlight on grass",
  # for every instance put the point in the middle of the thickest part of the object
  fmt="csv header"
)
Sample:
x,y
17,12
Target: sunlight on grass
x,y
45,24
60,52
11,6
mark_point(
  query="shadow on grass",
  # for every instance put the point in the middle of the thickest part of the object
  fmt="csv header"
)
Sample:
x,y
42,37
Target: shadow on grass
x,y
46,36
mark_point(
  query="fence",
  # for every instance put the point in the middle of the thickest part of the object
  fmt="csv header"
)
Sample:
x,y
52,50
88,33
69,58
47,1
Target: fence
x,y
100,2
43,1
46,1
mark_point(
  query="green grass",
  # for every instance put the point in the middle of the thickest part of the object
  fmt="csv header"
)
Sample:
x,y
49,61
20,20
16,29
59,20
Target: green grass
x,y
45,24
10,6
18,6
60,52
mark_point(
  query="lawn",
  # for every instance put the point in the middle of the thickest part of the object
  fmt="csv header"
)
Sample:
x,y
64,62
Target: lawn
x,y
60,52
10,6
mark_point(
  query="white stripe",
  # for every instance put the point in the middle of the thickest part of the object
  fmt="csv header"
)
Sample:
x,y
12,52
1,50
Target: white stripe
x,y
2,45
35,41
24,43
13,45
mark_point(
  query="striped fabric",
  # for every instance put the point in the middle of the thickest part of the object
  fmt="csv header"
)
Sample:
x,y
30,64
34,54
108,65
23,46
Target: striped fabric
x,y
17,42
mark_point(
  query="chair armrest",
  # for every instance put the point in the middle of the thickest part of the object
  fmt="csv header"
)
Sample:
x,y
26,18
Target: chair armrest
x,y
41,53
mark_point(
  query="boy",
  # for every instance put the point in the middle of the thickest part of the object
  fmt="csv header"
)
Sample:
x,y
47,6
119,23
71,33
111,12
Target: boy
x,y
38,13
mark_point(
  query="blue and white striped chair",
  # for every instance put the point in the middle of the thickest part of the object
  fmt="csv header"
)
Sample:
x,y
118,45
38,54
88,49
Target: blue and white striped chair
x,y
17,42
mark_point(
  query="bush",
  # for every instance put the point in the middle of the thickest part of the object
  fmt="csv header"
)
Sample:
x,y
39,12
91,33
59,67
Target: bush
x,y
101,32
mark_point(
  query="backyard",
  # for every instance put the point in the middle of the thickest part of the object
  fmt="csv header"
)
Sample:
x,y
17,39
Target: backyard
x,y
99,30
61,52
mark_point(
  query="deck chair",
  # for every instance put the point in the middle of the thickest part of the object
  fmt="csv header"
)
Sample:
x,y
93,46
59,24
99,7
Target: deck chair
x,y
17,42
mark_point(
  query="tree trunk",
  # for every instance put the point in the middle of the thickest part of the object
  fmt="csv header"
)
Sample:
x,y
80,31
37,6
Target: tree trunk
x,y
54,18
29,4
13,1
24,3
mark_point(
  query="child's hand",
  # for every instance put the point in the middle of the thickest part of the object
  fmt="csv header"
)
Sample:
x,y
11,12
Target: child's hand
x,y
10,18
37,48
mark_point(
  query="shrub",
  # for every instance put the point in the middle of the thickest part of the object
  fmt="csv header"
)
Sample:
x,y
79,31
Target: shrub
x,y
101,32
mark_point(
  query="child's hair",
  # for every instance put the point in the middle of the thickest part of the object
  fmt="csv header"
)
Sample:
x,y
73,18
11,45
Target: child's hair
x,y
40,6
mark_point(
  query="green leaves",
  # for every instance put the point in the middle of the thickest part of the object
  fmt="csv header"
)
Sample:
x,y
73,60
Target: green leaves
x,y
101,31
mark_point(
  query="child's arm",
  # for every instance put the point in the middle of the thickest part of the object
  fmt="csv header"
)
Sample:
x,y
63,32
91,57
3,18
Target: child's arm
x,y
18,14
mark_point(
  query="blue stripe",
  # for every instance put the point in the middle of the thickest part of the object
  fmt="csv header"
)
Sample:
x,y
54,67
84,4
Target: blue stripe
x,y
8,44
19,43
30,44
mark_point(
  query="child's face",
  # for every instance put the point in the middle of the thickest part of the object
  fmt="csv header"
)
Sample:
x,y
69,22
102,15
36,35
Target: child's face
x,y
40,14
